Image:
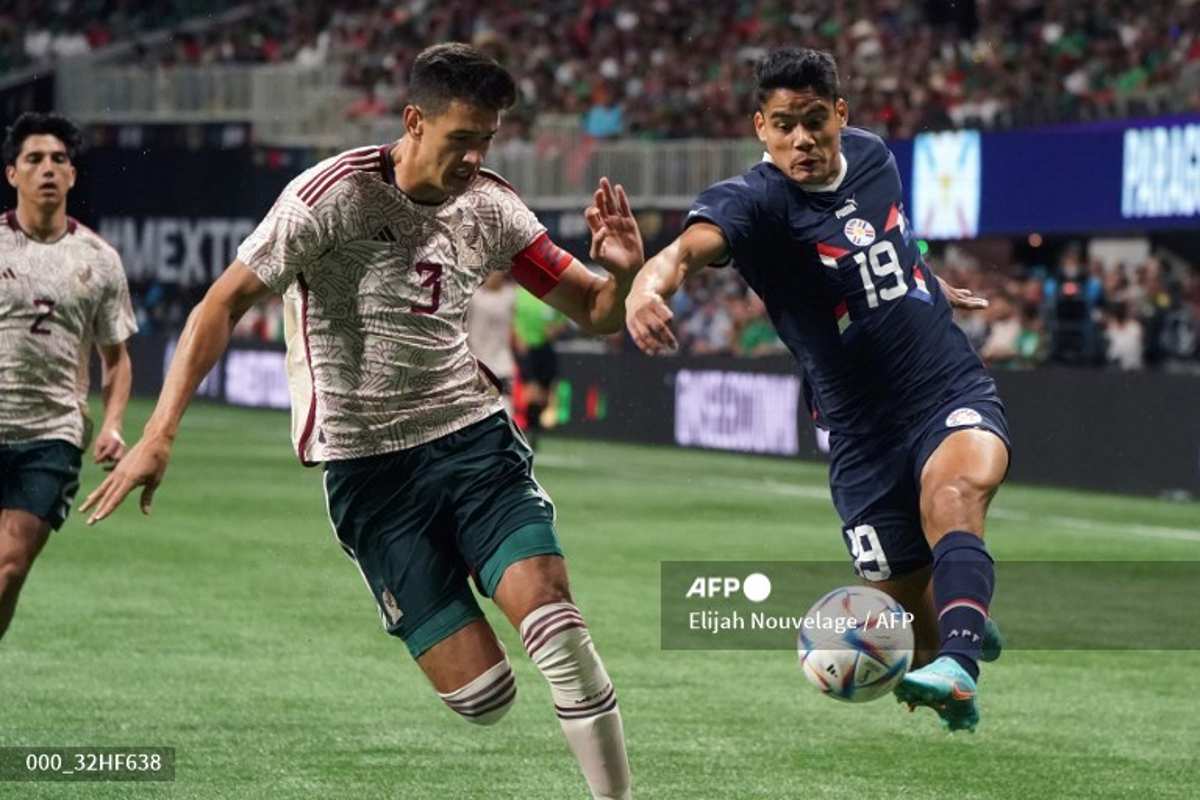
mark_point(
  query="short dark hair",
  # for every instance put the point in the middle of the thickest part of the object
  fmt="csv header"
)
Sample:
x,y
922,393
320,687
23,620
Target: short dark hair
x,y
795,68
35,123
457,71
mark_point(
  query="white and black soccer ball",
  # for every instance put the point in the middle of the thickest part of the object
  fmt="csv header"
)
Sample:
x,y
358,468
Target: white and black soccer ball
x,y
856,644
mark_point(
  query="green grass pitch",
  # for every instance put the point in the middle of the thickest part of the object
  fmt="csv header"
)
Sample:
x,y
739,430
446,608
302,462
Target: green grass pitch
x,y
229,626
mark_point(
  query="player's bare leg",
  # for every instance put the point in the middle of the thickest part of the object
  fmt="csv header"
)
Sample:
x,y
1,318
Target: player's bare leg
x,y
471,673
914,592
534,595
959,481
957,485
22,537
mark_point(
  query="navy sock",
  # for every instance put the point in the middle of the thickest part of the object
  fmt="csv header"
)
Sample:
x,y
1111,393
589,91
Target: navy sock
x,y
963,579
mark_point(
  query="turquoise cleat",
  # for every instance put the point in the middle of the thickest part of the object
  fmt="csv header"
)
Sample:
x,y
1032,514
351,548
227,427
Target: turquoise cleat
x,y
945,687
993,642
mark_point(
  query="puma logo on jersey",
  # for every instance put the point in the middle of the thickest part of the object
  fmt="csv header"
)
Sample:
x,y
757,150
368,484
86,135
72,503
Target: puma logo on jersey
x,y
846,210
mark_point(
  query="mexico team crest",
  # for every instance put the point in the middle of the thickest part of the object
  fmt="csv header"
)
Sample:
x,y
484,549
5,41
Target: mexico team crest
x,y
390,606
860,232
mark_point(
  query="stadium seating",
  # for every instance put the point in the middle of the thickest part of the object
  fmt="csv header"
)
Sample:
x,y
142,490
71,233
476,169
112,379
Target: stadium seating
x,y
675,69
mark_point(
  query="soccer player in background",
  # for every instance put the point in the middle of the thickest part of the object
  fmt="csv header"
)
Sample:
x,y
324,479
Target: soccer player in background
x,y
919,442
490,330
62,291
535,329
429,485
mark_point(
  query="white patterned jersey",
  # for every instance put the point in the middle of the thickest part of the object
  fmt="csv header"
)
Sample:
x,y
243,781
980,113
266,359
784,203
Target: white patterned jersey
x,y
489,329
57,300
376,289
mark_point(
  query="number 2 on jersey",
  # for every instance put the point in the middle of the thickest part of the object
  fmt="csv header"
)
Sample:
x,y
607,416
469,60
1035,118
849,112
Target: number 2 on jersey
x,y
47,313
883,262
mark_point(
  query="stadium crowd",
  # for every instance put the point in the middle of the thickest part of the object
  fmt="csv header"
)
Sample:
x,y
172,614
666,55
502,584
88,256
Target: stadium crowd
x,y
672,68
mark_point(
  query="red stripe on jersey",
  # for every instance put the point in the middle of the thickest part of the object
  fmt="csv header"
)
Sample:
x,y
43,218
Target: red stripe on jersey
x,y
487,173
330,179
540,265
350,155
311,420
386,165
75,226
963,603
893,218
829,250
307,187
362,160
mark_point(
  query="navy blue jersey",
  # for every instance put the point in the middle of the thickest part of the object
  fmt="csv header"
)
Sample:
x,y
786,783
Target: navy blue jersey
x,y
846,288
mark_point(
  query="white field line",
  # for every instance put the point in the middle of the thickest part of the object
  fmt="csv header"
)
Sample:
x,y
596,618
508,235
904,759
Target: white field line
x,y
773,487
1076,524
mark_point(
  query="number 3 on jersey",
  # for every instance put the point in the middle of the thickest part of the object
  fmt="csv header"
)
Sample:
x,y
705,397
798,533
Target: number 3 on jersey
x,y
881,262
433,281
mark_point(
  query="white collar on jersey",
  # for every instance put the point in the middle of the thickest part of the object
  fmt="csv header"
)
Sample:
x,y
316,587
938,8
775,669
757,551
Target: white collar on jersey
x,y
832,186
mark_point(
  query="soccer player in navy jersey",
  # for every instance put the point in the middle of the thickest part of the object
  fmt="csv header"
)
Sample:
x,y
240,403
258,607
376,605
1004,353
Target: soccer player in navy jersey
x,y
919,443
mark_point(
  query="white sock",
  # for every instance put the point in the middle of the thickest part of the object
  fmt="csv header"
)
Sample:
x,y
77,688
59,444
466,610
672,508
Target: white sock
x,y
559,644
487,698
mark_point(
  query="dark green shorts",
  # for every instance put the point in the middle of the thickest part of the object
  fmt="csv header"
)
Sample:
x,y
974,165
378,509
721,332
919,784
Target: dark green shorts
x,y
41,478
420,523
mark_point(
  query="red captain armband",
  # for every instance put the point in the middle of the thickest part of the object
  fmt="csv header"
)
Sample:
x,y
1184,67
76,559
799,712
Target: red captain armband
x,y
539,266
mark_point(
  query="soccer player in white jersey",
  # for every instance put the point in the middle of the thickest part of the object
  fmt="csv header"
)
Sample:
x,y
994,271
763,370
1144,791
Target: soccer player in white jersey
x,y
62,291
377,252
490,330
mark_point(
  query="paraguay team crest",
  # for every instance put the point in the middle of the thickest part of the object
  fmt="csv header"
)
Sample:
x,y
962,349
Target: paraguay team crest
x,y
860,232
963,416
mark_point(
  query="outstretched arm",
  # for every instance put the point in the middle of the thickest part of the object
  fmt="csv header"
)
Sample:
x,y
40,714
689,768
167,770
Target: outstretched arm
x,y
962,298
203,341
596,303
648,314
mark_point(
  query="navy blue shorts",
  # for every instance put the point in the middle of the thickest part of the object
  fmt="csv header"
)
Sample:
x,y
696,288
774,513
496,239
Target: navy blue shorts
x,y
876,484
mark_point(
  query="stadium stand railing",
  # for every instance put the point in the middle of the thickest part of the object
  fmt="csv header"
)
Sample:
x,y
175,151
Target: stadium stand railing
x,y
555,164
289,106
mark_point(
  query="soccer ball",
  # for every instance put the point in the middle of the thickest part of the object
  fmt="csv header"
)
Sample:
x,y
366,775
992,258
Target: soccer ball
x,y
856,643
